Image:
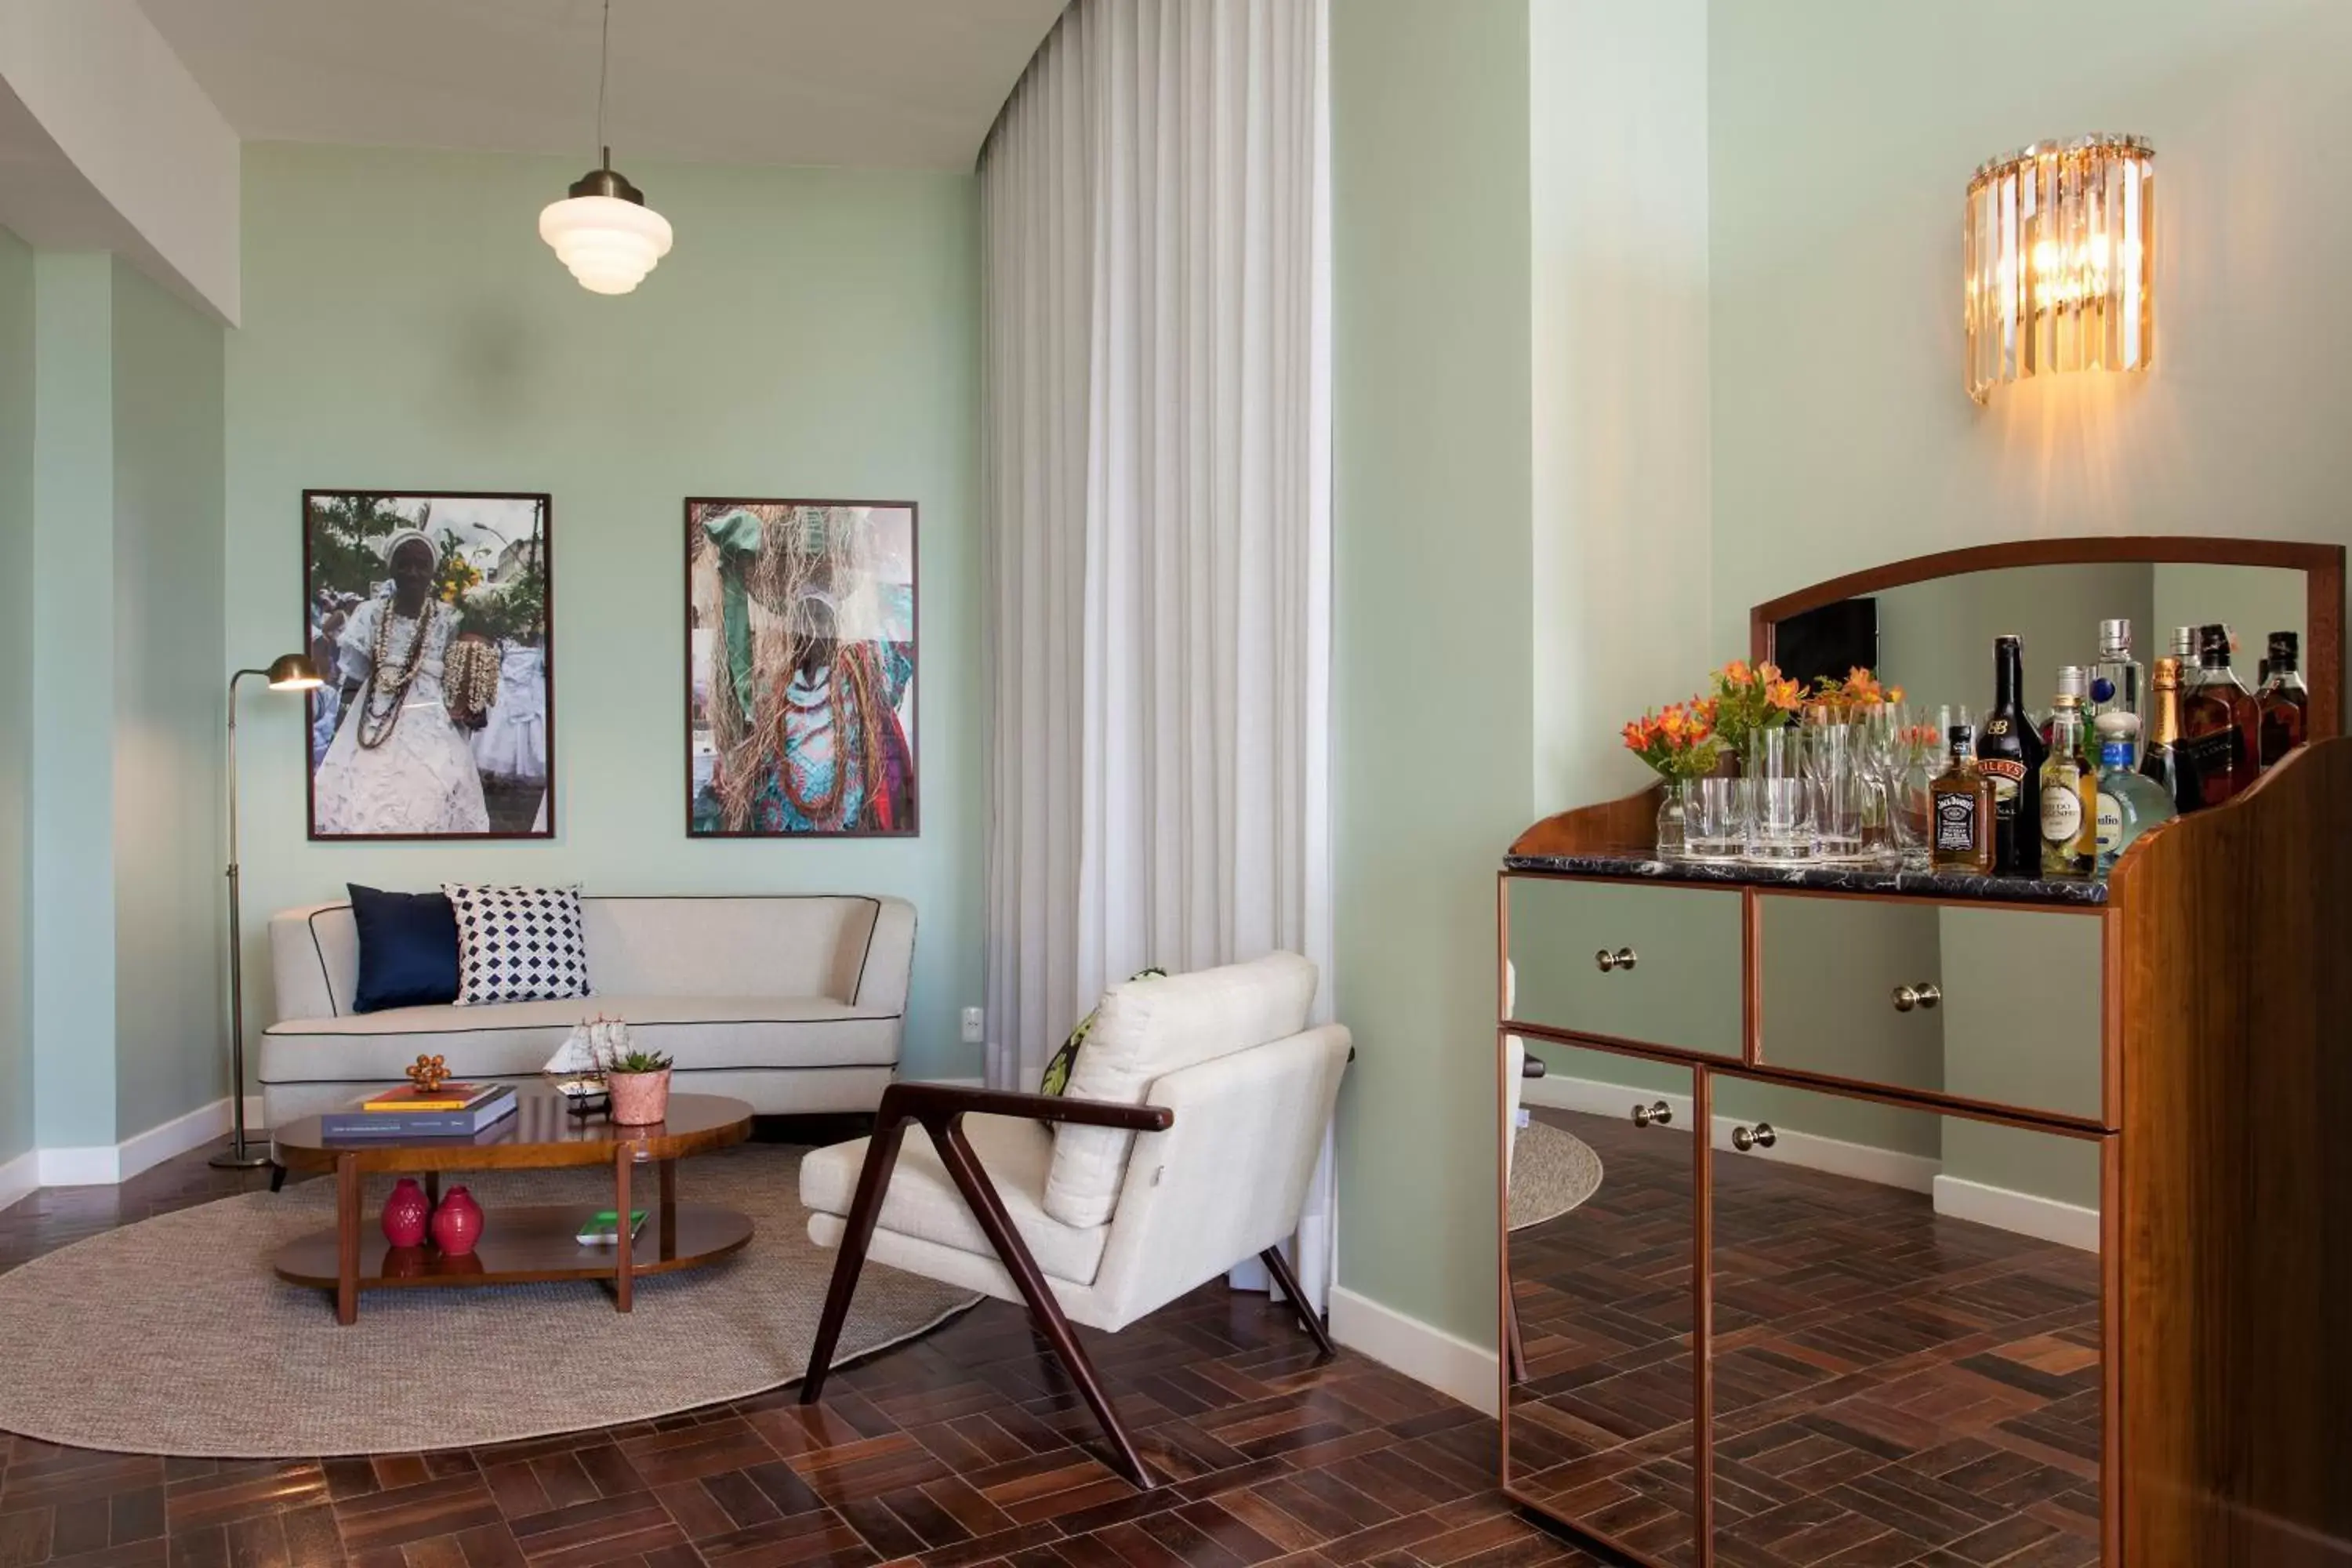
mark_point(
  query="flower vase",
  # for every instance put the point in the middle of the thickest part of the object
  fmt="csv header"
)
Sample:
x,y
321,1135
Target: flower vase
x,y
456,1223
639,1098
406,1212
1670,821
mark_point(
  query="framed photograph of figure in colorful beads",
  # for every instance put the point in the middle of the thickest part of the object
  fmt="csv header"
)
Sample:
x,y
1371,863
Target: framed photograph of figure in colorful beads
x,y
429,614
800,668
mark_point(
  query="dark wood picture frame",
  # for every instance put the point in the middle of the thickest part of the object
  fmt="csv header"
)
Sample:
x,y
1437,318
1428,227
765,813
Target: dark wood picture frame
x,y
546,502
913,826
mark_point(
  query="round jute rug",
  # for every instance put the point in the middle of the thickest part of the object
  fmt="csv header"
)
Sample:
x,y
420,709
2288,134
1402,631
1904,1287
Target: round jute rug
x,y
171,1336
1552,1171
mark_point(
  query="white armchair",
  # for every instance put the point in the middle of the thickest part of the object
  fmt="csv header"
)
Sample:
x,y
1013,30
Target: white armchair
x,y
1184,1146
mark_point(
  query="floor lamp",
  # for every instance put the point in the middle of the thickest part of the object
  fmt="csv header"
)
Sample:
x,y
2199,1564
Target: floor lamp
x,y
293,672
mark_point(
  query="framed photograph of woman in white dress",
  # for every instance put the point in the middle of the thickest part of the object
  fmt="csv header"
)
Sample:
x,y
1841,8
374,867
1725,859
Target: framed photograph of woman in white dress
x,y
429,616
800,696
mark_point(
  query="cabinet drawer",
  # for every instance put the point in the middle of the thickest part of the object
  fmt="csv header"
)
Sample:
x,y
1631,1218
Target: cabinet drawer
x,y
1671,972
1996,1006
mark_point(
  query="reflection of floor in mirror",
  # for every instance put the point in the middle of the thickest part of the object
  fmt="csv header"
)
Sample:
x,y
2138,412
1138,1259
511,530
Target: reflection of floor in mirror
x,y
1891,1386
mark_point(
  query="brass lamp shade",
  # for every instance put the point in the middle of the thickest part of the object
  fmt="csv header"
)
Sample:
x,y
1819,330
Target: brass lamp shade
x,y
293,672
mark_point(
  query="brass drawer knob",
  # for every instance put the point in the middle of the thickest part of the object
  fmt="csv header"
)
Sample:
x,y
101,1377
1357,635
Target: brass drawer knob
x,y
1924,995
1661,1115
1623,958
1760,1136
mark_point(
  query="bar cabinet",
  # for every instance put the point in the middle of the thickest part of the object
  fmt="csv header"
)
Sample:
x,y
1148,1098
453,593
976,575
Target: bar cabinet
x,y
1943,1219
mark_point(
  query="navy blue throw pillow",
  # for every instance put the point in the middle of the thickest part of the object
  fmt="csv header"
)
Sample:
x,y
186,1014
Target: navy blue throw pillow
x,y
408,949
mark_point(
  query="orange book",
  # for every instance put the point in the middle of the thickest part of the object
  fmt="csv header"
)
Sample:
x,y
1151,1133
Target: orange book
x,y
448,1097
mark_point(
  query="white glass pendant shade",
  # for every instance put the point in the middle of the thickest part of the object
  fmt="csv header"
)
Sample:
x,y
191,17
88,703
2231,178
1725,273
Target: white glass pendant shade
x,y
606,234
2059,261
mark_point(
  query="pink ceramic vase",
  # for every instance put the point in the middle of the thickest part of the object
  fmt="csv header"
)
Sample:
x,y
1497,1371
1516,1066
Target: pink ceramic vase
x,y
405,1214
456,1223
639,1098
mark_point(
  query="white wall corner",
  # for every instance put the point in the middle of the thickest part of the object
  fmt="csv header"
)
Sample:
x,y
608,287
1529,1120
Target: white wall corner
x,y
105,1165
1422,1351
2026,1214
19,1176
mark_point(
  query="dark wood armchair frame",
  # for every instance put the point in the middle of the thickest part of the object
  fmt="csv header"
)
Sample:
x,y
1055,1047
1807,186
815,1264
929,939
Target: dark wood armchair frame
x,y
940,1109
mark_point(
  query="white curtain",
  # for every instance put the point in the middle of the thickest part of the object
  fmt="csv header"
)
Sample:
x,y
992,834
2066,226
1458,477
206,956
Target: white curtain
x,y
1155,203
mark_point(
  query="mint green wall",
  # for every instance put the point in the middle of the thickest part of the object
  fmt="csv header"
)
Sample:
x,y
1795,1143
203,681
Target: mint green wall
x,y
15,693
816,332
1433,644
167,832
1841,434
74,664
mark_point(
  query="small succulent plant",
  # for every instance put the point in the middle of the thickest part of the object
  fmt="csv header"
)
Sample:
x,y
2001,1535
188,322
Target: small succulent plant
x,y
638,1060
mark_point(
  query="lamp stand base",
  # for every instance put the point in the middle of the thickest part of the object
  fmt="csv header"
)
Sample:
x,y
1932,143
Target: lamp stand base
x,y
255,1157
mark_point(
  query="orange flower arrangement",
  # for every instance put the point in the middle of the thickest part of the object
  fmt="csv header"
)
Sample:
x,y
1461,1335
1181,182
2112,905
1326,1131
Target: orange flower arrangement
x,y
1848,699
1749,699
1679,743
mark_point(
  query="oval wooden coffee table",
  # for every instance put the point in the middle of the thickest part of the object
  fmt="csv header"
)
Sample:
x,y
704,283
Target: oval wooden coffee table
x,y
520,1245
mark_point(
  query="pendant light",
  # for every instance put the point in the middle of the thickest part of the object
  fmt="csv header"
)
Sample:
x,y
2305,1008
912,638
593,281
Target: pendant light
x,y
604,231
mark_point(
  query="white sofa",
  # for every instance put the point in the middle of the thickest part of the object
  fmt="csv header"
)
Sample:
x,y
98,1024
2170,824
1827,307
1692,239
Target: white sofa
x,y
793,1002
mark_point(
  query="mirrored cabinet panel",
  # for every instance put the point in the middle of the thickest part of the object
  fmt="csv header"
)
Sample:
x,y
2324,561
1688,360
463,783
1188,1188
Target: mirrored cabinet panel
x,y
1996,1006
1906,1354
1600,1258
1659,966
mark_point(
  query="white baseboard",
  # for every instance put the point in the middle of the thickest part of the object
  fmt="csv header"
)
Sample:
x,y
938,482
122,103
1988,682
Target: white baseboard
x,y
1422,1351
1590,1095
2045,1220
2068,1225
19,1176
1836,1157
102,1165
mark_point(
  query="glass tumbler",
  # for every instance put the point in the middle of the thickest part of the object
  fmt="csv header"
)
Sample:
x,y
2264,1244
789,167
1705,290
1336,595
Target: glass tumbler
x,y
1834,768
1780,799
1715,818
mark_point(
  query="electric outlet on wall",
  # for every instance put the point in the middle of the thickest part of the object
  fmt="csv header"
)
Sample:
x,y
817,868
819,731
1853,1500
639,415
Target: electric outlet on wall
x,y
973,1027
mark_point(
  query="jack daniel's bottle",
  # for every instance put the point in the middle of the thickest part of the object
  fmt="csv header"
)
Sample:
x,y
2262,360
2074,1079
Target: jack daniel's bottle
x,y
2010,753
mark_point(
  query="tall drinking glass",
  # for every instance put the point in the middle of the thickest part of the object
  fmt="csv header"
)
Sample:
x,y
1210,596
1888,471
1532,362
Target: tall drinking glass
x,y
1779,797
1833,757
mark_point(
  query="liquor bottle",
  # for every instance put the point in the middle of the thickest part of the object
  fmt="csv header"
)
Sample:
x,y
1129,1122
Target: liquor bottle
x,y
2115,679
2070,785
2010,751
2220,724
2130,802
2284,702
2164,759
1961,805
2184,648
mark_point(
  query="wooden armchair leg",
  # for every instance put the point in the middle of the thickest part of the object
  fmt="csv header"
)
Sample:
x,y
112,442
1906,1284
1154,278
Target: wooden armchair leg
x,y
1513,1346
971,1180
858,1234
1280,1266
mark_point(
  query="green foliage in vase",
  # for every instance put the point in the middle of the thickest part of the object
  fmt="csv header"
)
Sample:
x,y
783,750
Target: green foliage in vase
x,y
638,1060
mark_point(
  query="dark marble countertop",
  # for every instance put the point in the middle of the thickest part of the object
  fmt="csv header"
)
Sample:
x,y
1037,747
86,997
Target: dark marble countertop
x,y
1642,866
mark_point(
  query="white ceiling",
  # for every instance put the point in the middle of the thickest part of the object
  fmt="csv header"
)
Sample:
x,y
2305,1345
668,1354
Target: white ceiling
x,y
871,83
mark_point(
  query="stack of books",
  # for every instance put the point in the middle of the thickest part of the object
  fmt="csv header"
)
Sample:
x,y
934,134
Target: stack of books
x,y
452,1110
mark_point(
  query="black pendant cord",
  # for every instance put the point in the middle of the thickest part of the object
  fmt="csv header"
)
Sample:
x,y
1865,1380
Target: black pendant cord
x,y
604,74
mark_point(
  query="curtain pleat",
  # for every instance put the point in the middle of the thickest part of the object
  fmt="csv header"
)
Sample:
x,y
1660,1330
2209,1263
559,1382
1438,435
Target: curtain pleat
x,y
1155,203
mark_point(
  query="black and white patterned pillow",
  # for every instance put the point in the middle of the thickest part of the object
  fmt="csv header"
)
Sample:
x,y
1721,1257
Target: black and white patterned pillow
x,y
518,944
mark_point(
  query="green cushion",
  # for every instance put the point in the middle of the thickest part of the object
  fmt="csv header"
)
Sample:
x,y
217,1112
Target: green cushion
x,y
1056,1081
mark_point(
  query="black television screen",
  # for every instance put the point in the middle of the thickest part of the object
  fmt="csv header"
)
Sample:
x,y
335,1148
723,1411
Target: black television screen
x,y
1828,641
